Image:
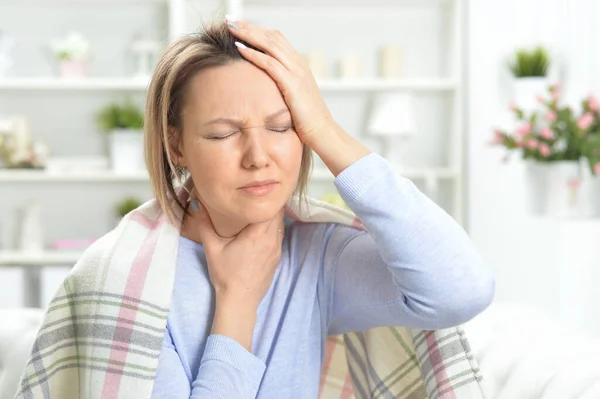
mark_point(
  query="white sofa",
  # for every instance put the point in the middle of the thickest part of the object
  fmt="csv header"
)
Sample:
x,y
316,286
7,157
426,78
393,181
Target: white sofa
x,y
522,354
18,329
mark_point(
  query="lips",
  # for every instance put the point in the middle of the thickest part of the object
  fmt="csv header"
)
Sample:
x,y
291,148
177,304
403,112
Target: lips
x,y
261,183
259,188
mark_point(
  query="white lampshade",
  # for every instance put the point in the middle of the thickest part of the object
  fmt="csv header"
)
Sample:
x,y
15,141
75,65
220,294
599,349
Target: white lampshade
x,y
393,115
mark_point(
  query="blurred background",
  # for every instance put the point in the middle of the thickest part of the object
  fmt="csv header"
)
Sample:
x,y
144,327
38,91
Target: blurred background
x,y
489,107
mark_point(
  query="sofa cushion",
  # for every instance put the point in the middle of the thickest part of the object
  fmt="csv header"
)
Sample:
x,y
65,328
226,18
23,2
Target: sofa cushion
x,y
18,329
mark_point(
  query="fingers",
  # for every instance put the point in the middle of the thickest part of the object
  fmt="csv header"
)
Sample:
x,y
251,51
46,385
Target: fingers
x,y
269,64
271,42
206,229
272,228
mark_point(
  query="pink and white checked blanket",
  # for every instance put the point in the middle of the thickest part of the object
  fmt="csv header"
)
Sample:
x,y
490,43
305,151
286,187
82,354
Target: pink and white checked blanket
x,y
103,330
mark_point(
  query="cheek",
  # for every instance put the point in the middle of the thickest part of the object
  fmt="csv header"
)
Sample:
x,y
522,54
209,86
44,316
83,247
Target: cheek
x,y
290,153
209,168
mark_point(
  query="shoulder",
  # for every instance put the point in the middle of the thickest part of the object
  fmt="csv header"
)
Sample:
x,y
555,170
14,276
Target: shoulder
x,y
111,256
320,237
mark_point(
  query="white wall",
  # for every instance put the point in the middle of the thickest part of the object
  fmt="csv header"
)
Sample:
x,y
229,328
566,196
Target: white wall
x,y
522,250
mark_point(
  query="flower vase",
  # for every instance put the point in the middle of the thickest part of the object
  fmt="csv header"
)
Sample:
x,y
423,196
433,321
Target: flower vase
x,y
556,189
593,193
73,69
527,90
127,151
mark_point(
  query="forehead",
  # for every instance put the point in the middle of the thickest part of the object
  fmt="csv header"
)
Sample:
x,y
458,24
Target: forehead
x,y
229,89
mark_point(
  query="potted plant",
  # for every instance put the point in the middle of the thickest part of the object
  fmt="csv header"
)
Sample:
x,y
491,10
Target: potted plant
x,y
72,53
562,150
126,205
124,123
530,70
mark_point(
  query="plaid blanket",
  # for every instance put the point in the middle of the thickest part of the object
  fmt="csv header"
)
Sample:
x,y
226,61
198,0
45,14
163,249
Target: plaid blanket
x,y
102,332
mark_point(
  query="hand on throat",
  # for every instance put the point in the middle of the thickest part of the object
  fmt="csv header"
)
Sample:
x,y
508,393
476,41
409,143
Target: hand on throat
x,y
225,226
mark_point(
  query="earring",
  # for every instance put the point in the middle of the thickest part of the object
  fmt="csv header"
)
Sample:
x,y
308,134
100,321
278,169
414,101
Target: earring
x,y
180,170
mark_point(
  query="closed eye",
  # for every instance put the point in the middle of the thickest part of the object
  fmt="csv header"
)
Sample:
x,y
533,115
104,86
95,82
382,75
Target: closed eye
x,y
281,130
222,137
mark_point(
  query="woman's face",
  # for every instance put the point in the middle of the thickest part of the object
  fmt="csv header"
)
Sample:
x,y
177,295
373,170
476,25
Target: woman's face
x,y
239,144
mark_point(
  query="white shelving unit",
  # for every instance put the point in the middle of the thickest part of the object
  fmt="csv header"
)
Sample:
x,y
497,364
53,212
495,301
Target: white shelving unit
x,y
129,84
36,176
44,258
452,86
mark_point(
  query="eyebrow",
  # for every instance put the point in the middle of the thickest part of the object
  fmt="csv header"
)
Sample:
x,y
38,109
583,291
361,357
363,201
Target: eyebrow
x,y
230,121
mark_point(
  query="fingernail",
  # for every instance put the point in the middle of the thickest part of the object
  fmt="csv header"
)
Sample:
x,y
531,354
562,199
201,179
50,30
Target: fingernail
x,y
240,45
195,205
230,17
232,25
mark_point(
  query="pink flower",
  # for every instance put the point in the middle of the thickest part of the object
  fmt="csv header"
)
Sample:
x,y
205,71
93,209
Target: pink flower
x,y
551,116
544,150
513,106
597,168
593,103
555,88
498,137
532,144
540,98
555,96
524,129
547,134
585,121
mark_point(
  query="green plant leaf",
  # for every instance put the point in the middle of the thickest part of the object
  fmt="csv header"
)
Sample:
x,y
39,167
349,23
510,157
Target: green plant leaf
x,y
120,116
530,63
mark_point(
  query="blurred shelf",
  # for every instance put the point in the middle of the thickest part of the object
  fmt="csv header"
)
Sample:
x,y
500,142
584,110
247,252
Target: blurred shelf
x,y
40,176
131,84
88,2
126,84
44,258
322,175
386,84
345,3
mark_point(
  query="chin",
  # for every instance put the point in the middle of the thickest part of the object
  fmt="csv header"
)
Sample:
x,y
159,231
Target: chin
x,y
262,210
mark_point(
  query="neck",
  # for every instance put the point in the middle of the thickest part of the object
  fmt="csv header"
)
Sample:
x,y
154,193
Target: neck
x,y
224,226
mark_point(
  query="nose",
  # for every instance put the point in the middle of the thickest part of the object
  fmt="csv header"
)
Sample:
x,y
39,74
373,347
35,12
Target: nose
x,y
256,154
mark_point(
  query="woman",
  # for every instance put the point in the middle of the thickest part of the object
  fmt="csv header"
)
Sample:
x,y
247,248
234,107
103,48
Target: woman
x,y
254,298
212,293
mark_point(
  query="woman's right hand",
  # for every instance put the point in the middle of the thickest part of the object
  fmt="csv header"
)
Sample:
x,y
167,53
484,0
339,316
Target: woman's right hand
x,y
241,268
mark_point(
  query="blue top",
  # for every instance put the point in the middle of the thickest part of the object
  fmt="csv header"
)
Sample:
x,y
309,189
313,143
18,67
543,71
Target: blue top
x,y
416,268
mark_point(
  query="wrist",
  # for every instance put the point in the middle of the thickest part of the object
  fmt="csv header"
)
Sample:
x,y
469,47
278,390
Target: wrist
x,y
337,149
235,318
235,303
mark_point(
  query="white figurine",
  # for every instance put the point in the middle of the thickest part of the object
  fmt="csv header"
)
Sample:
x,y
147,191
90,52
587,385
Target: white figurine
x,y
31,235
146,53
6,47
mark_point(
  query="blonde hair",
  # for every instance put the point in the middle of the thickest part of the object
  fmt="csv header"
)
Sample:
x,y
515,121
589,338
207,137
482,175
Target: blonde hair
x,y
181,61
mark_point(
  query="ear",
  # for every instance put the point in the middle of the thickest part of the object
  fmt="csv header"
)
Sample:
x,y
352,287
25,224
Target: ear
x,y
175,145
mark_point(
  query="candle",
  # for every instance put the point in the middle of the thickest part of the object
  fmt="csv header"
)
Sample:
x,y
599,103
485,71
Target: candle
x,y
350,66
390,62
317,63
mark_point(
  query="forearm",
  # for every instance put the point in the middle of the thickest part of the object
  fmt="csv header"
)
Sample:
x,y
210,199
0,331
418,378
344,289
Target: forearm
x,y
234,318
336,148
440,276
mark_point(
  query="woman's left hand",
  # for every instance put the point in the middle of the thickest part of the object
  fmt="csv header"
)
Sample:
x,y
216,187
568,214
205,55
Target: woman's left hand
x,y
291,73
